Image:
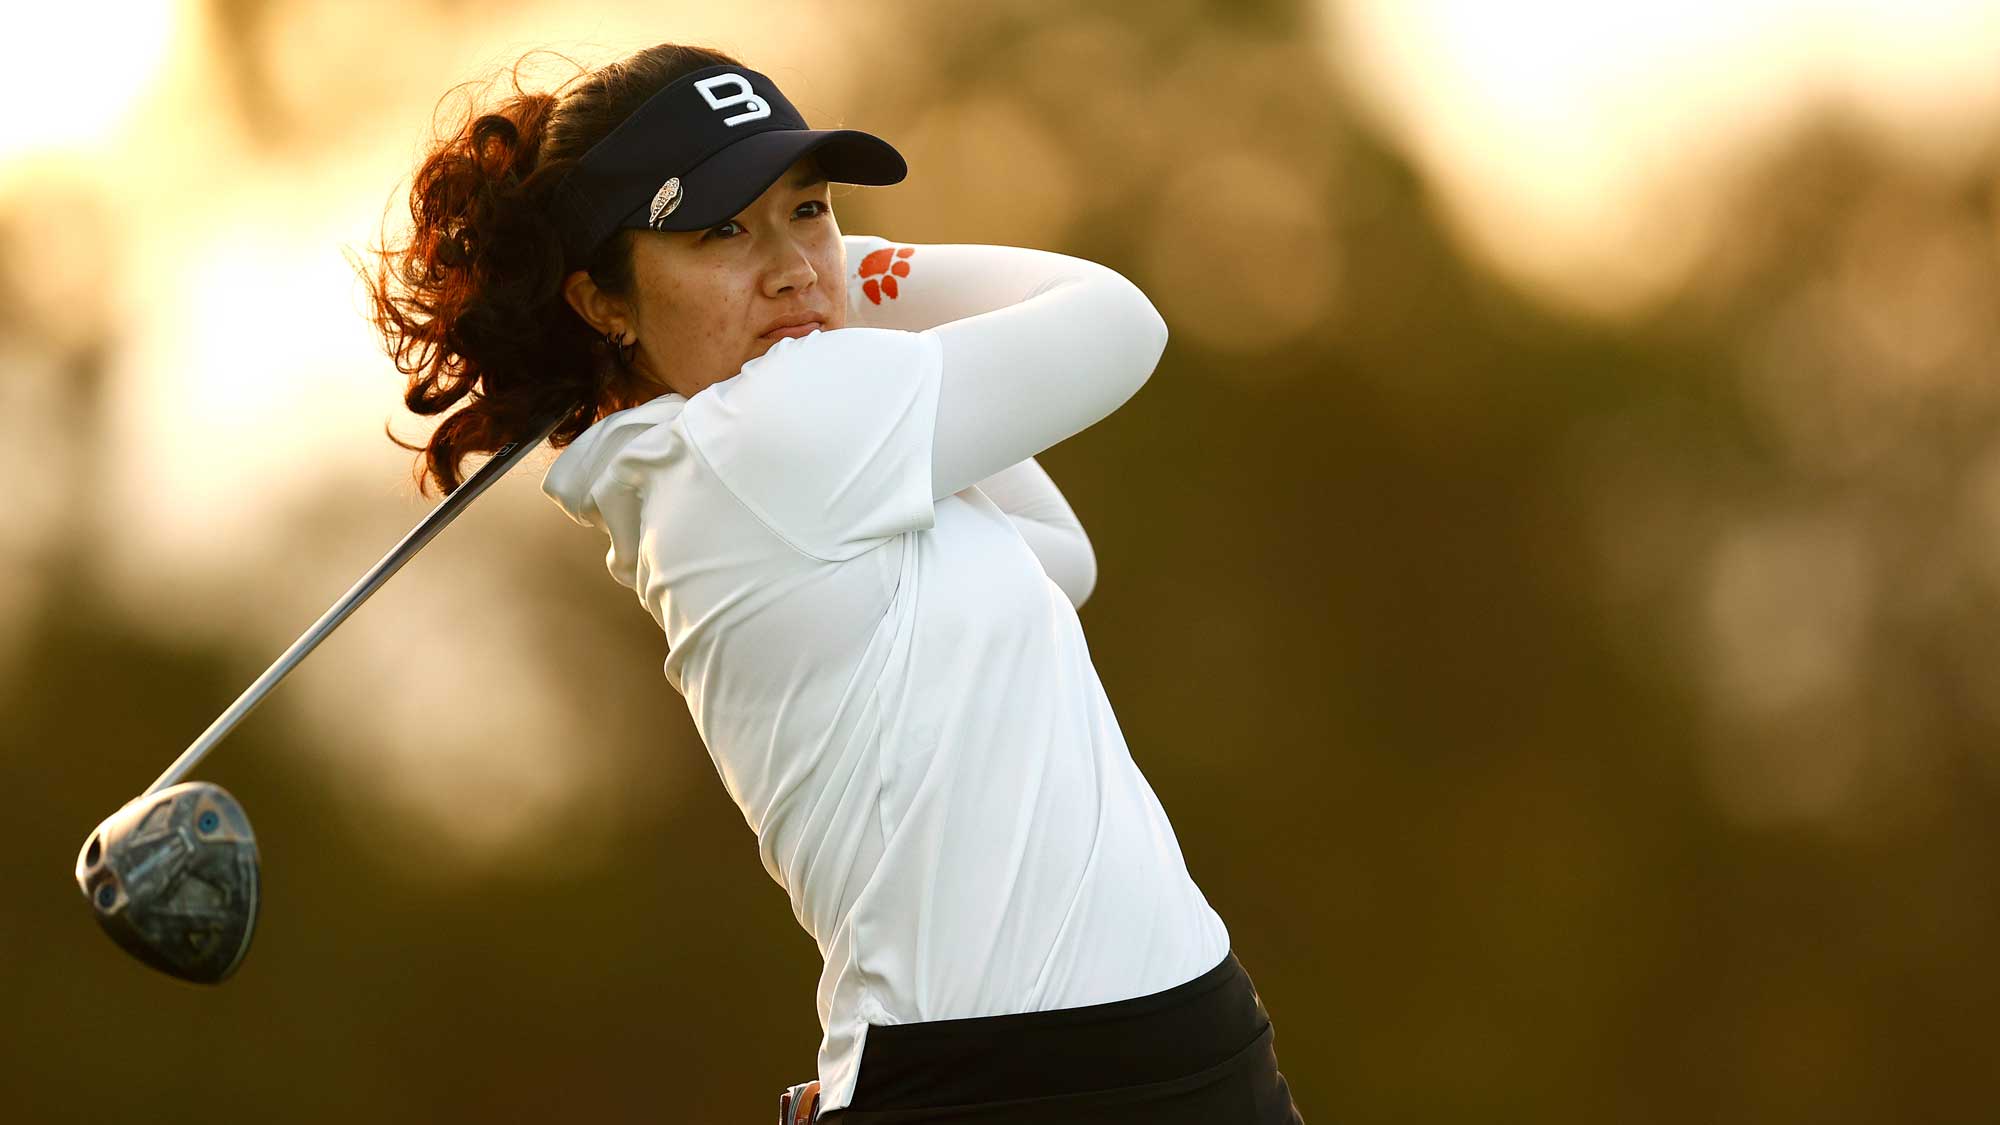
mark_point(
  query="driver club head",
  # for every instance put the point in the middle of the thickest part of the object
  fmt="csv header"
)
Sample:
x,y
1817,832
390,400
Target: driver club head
x,y
172,877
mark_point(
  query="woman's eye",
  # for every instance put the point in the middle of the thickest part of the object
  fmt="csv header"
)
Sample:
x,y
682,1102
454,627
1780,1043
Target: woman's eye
x,y
811,208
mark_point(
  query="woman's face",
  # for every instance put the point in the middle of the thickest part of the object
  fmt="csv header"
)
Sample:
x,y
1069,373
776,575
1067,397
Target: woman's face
x,y
704,303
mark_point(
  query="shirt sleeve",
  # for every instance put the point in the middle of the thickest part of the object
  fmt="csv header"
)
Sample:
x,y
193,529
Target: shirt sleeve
x,y
842,439
1035,346
826,439
1037,509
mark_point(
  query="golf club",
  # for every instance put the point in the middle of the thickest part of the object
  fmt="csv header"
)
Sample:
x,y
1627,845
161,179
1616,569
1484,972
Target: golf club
x,y
173,875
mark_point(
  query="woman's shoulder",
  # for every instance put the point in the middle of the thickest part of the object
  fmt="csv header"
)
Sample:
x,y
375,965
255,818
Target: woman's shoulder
x,y
590,459
828,364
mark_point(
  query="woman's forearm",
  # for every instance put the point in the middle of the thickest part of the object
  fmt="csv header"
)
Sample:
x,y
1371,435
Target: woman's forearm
x,y
1035,346
912,287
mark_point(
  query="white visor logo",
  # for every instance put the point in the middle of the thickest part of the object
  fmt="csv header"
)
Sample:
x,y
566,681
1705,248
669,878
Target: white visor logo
x,y
758,107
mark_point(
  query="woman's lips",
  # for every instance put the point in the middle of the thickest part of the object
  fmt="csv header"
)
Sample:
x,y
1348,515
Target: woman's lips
x,y
794,331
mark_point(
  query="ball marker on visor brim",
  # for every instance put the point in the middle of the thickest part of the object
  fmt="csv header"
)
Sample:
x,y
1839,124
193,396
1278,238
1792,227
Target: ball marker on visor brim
x,y
697,153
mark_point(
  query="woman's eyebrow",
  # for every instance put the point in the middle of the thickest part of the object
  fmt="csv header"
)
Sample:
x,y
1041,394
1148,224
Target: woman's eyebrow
x,y
807,178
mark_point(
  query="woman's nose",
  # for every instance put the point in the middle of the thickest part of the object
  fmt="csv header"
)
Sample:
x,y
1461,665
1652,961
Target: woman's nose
x,y
790,270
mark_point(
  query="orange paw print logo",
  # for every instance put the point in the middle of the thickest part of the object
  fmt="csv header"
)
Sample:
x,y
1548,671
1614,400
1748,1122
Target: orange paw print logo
x,y
881,269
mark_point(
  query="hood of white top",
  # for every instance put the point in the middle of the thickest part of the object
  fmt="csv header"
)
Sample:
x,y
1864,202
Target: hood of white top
x,y
573,479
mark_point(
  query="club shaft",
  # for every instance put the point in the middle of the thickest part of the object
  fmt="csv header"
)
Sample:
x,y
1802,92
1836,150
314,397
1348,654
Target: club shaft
x,y
446,511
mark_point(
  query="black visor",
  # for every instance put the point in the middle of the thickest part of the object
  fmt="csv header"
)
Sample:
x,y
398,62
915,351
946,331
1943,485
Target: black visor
x,y
700,151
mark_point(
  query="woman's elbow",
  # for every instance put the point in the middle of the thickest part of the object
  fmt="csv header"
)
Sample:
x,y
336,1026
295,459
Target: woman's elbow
x,y
1136,332
1148,328
1083,582
1156,335
1077,571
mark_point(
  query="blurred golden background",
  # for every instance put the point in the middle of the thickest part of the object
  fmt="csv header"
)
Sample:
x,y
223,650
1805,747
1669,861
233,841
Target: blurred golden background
x,y
1553,581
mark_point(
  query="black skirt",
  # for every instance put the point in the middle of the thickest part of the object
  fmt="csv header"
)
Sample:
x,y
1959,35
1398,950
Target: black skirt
x,y
1198,1052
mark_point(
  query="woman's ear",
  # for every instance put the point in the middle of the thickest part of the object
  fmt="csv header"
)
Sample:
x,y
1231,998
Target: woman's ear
x,y
602,311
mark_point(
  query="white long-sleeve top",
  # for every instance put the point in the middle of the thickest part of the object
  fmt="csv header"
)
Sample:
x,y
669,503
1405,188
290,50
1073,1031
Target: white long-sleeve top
x,y
885,665
1047,525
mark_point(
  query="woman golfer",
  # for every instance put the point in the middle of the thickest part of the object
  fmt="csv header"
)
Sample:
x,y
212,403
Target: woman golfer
x,y
813,458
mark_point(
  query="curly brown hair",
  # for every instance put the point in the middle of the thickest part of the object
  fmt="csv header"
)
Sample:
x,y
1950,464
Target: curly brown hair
x,y
470,303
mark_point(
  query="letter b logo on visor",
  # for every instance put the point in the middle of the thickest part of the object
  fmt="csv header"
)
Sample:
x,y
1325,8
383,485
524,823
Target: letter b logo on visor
x,y
758,106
